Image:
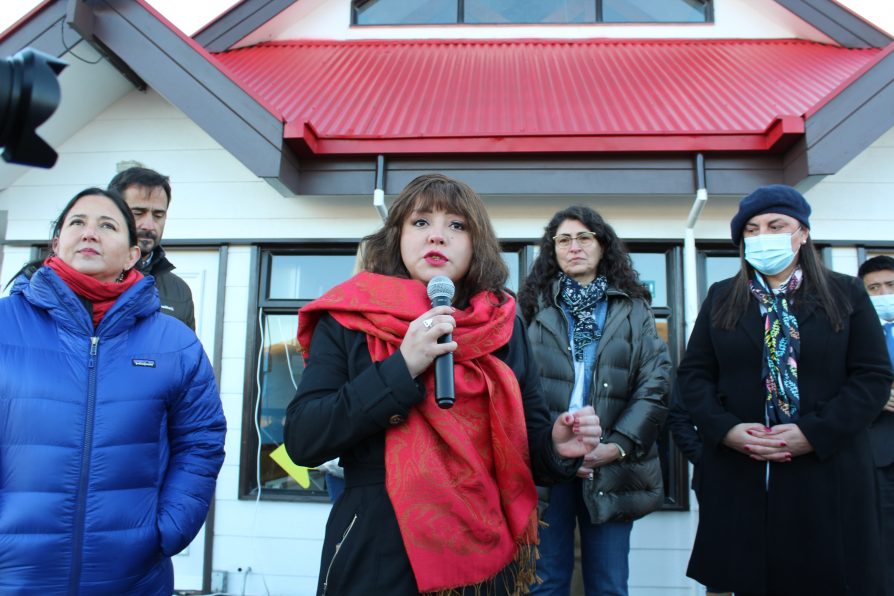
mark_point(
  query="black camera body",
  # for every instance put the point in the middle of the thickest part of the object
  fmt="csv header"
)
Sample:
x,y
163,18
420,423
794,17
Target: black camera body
x,y
29,94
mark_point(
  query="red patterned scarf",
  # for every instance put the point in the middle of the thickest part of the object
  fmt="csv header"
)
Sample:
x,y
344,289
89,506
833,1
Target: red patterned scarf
x,y
460,479
102,294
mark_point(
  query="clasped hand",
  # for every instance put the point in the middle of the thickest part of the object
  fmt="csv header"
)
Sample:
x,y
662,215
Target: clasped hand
x,y
889,407
779,443
576,433
602,455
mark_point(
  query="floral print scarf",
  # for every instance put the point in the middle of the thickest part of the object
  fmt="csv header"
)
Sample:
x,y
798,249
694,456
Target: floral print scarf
x,y
782,347
581,303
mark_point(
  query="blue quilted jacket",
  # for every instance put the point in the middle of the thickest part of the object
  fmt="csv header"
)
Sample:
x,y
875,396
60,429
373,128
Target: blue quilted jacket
x,y
110,441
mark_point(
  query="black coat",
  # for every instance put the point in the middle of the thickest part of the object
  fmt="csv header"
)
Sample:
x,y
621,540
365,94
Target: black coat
x,y
173,292
882,435
814,529
343,407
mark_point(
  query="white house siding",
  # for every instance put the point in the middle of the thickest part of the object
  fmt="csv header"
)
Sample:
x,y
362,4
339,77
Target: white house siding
x,y
215,197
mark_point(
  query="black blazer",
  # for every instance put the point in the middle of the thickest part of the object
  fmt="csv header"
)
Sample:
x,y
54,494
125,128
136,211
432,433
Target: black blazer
x,y
812,528
882,435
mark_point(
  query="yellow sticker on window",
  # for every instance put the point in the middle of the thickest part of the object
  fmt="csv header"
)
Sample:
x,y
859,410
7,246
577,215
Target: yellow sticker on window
x,y
298,473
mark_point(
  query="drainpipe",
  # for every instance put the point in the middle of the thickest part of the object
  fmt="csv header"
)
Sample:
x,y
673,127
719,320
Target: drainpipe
x,y
379,192
690,279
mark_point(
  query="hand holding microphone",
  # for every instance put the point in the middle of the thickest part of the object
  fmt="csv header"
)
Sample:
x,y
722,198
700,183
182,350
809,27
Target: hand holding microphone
x,y
429,336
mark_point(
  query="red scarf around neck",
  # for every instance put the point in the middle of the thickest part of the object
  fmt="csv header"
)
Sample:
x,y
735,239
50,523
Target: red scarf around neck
x,y
102,294
460,479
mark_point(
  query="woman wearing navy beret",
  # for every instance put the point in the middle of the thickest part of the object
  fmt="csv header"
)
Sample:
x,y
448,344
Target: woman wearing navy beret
x,y
784,372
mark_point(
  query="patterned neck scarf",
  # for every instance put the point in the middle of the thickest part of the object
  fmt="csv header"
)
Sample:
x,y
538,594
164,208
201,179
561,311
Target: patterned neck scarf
x,y
782,347
581,303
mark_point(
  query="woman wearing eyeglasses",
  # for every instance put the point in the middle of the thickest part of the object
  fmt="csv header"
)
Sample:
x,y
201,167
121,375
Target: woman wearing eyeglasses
x,y
594,338
784,371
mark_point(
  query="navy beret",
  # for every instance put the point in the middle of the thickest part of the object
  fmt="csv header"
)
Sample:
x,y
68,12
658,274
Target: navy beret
x,y
775,198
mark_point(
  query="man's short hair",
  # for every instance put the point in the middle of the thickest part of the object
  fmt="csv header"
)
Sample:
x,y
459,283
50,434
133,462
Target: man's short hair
x,y
879,263
140,177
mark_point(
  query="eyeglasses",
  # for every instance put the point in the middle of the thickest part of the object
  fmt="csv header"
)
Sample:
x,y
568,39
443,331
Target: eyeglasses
x,y
584,240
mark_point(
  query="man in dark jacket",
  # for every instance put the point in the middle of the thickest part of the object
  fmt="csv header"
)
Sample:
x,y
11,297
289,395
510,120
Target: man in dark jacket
x,y
877,274
148,194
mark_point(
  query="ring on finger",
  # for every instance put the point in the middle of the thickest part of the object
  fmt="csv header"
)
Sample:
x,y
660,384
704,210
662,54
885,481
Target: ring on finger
x,y
427,323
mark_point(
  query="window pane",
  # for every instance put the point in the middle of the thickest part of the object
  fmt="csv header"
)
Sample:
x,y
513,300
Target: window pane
x,y
720,268
654,11
652,269
305,277
405,12
511,259
662,325
530,11
279,373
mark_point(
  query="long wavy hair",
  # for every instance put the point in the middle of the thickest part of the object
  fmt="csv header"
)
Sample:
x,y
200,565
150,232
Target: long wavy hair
x,y
815,287
436,192
615,263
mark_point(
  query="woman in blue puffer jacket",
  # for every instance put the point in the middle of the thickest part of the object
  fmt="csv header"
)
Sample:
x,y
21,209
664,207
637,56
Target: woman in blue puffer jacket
x,y
111,426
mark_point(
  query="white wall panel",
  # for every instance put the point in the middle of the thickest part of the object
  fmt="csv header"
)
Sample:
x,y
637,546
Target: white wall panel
x,y
305,521
232,375
663,529
14,258
227,487
758,19
276,556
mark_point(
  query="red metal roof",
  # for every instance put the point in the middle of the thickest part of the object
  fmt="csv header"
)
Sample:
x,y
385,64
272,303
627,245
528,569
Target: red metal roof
x,y
542,96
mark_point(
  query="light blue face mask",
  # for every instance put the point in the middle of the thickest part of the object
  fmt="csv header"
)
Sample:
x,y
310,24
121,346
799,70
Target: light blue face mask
x,y
884,306
769,253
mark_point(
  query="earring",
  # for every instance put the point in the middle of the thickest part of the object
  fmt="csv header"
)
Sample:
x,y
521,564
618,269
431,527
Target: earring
x,y
121,277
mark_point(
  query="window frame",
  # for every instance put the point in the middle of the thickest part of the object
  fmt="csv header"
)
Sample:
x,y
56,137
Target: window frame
x,y
258,306
675,466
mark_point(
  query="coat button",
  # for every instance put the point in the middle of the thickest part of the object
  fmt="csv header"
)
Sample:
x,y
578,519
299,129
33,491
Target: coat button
x,y
601,493
396,419
605,384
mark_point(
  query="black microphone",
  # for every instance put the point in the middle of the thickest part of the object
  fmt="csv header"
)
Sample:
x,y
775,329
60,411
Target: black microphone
x,y
441,290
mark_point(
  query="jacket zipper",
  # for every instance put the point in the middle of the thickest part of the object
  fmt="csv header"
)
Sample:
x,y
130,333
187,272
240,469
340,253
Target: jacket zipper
x,y
78,532
337,547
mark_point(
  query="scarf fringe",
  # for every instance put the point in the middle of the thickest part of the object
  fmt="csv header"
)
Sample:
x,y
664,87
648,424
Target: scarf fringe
x,y
517,577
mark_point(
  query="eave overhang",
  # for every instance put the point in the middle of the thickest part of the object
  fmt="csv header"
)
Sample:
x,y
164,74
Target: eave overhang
x,y
779,136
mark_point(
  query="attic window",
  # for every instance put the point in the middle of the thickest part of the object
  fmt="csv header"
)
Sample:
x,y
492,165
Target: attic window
x,y
456,12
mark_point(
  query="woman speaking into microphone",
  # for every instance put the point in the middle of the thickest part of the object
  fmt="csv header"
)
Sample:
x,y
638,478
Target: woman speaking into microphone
x,y
436,500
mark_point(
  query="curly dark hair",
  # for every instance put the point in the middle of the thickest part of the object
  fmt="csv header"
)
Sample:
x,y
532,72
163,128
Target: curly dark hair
x,y
615,263
436,192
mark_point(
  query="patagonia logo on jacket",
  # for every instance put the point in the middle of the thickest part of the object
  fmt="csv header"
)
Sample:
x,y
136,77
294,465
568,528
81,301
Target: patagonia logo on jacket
x,y
143,362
